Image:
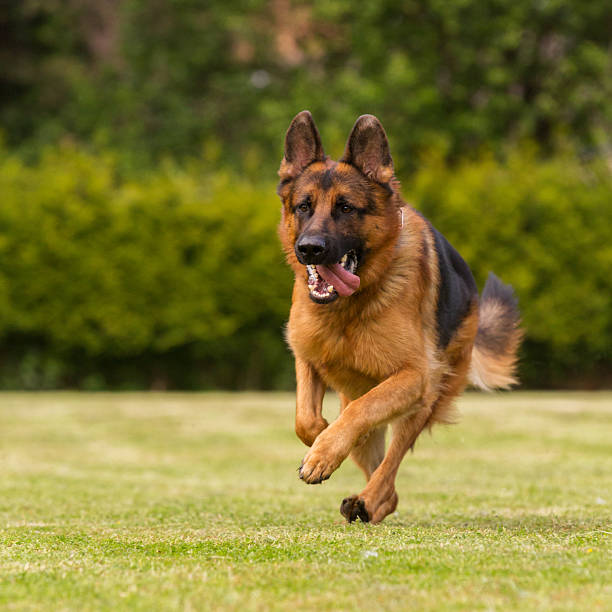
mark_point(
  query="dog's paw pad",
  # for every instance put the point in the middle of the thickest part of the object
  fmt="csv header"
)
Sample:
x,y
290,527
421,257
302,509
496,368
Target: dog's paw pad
x,y
353,508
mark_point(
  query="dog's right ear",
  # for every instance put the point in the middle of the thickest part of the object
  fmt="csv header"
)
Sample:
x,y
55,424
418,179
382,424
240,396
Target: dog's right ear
x,y
367,149
302,147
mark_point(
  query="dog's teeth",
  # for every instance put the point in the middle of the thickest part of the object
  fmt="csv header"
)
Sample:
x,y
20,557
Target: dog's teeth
x,y
330,288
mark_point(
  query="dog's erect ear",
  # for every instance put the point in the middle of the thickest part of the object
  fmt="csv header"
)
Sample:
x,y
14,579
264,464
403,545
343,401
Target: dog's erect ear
x,y
302,146
367,149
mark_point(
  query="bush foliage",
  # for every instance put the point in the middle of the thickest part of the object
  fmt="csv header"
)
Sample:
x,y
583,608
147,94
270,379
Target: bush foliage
x,y
176,278
174,267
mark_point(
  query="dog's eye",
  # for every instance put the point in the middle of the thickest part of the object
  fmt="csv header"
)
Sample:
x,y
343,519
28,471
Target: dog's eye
x,y
344,206
305,205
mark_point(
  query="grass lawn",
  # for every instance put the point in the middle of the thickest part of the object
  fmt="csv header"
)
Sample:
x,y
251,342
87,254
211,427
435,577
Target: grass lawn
x,y
192,502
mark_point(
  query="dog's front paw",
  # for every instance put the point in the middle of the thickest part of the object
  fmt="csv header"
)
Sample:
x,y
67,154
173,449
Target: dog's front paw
x,y
316,468
325,456
353,508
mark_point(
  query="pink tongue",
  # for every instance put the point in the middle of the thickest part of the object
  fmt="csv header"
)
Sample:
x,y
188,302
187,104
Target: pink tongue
x,y
343,281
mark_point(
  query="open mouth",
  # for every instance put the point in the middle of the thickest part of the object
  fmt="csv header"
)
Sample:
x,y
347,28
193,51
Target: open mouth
x,y
327,283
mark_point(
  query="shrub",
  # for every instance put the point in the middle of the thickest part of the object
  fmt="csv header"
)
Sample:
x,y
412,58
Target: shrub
x,y
97,267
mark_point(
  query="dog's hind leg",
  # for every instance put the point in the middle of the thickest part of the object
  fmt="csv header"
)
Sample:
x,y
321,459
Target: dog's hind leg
x,y
368,455
369,452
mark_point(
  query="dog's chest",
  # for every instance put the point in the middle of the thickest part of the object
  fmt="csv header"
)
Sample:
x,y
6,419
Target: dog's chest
x,y
355,353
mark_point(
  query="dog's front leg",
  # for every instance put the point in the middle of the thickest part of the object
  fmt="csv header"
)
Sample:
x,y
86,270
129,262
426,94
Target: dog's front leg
x,y
379,498
309,422
395,396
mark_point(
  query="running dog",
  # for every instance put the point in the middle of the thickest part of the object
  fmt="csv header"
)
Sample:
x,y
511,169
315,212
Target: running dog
x,y
384,310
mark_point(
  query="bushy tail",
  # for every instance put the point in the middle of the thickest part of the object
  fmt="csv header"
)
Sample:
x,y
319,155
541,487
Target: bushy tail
x,y
499,336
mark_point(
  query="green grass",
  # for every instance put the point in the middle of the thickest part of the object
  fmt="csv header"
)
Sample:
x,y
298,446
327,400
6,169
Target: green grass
x,y
192,502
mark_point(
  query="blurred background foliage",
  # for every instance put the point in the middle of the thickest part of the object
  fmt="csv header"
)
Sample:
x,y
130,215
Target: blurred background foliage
x,y
140,144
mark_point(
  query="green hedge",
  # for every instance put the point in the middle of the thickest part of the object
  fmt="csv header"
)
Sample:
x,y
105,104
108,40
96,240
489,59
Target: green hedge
x,y
176,278
171,272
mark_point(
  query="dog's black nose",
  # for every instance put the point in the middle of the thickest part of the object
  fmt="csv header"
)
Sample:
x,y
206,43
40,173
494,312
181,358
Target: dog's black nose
x,y
311,249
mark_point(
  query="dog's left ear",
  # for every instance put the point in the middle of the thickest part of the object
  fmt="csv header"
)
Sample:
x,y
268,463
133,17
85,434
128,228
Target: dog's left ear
x,y
367,149
302,146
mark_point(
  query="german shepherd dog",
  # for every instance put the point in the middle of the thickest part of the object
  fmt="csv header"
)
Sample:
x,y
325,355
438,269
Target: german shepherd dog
x,y
384,311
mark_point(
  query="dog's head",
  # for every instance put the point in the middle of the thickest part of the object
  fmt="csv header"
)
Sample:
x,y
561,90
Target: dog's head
x,y
340,219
